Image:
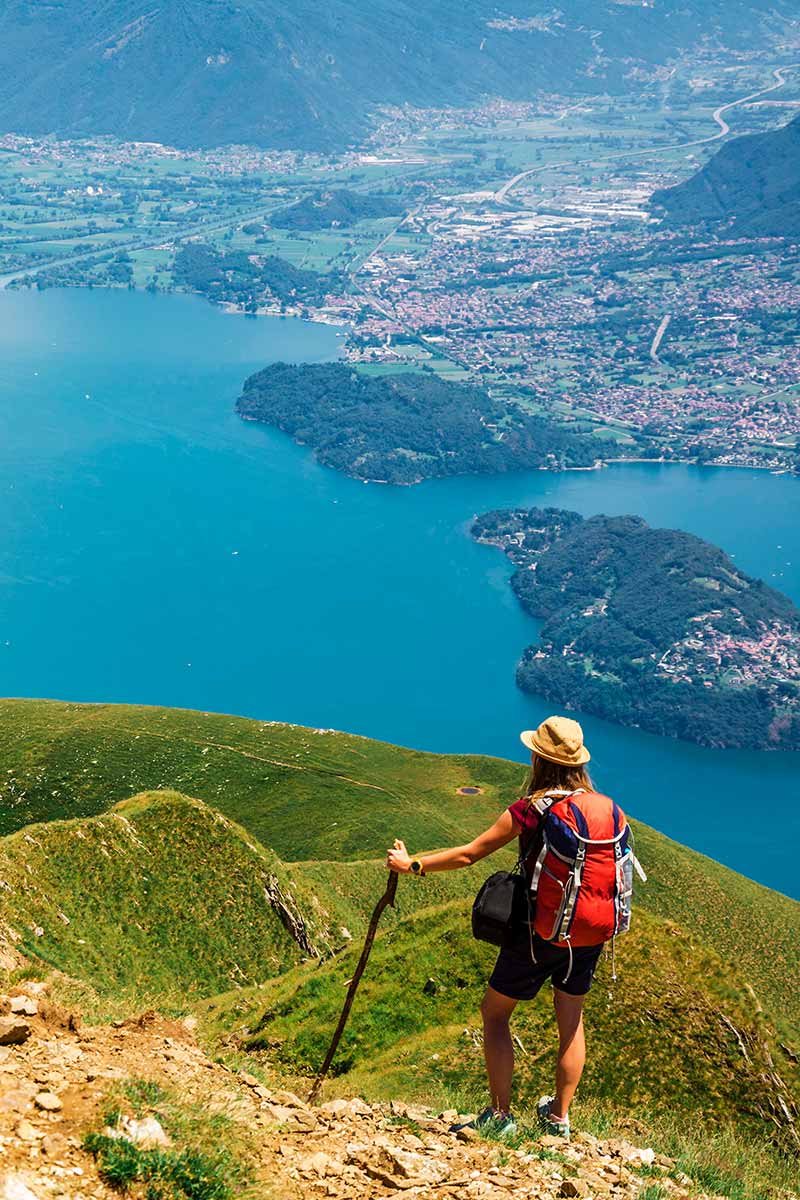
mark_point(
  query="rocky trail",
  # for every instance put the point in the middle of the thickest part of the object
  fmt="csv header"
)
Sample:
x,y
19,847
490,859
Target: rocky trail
x,y
55,1076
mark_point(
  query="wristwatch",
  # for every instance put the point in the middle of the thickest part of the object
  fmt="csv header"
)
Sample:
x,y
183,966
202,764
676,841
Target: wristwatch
x,y
416,867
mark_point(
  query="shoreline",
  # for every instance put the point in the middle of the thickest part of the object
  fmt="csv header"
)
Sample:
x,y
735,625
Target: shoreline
x,y
600,465
231,309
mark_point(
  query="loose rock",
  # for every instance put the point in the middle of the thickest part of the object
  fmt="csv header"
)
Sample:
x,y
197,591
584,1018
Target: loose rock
x,y
54,1145
574,1187
13,1031
468,1135
25,1005
148,1133
14,1187
27,1132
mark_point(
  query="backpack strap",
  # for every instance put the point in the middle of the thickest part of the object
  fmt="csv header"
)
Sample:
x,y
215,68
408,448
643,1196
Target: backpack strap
x,y
637,866
525,848
577,873
620,827
546,802
537,868
542,807
572,900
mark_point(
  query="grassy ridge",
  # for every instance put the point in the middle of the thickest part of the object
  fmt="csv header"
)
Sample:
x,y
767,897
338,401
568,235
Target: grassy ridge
x,y
160,898
319,798
68,760
163,899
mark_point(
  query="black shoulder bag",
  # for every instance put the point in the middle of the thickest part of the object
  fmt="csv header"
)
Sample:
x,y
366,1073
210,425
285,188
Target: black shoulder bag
x,y
502,903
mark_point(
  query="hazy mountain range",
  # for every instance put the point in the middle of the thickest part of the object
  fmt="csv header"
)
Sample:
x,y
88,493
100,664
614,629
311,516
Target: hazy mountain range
x,y
211,72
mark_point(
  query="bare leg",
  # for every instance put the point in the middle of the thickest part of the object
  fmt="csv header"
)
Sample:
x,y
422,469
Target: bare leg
x,y
498,1048
571,1050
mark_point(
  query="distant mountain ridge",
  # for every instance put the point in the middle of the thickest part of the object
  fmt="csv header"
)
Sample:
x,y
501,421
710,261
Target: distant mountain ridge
x,y
751,187
211,72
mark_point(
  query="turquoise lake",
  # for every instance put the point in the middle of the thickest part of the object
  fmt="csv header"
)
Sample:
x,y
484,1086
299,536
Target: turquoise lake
x,y
156,549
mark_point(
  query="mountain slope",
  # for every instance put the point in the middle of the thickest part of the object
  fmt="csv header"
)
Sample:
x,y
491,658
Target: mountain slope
x,y
211,72
160,900
326,802
163,902
238,1137
161,897
674,1011
751,187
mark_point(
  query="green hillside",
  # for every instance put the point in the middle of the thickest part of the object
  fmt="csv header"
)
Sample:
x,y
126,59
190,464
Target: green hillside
x,y
750,188
161,899
327,801
72,760
164,901
660,1036
338,207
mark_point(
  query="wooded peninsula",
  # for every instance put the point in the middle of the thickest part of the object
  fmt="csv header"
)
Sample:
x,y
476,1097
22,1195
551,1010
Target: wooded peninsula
x,y
404,428
654,628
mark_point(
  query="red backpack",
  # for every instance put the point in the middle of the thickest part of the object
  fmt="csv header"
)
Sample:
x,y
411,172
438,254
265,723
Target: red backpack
x,y
582,880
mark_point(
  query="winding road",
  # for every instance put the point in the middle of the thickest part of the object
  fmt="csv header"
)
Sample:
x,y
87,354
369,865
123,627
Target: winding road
x,y
500,196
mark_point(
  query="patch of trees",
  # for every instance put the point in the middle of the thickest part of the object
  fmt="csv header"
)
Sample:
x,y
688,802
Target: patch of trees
x,y
406,427
337,208
236,277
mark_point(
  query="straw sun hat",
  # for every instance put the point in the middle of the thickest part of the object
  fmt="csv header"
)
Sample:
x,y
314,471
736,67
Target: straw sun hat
x,y
559,740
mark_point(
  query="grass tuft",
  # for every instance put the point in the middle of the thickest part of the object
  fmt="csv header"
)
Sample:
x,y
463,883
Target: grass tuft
x,y
206,1161
166,1174
653,1191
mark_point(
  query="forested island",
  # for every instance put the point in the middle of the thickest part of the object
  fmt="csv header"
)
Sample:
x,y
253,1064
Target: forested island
x,y
337,208
654,628
404,428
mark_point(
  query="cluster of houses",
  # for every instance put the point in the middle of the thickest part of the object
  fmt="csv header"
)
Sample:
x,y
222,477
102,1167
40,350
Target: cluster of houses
x,y
712,656
617,319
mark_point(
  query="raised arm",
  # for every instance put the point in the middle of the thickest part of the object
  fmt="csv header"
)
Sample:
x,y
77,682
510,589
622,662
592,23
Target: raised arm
x,y
504,830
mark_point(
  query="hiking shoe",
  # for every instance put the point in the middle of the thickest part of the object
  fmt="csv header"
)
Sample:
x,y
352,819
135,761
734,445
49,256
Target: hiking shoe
x,y
546,1122
495,1123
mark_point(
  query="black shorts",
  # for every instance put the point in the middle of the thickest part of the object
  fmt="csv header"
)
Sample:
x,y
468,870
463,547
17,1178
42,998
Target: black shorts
x,y
515,974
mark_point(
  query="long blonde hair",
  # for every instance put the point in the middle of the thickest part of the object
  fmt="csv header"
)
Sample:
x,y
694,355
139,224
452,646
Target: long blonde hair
x,y
545,776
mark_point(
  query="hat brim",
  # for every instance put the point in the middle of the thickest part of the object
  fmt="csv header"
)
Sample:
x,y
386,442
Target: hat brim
x,y
528,739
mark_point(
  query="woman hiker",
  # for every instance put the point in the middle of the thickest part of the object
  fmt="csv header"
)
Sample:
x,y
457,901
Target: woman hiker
x,y
558,765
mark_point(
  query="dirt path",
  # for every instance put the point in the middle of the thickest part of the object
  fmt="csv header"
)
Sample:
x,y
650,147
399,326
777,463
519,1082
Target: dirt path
x,y
54,1086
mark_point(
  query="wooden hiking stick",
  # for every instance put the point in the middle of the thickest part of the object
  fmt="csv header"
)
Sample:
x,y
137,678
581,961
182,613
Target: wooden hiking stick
x,y
386,899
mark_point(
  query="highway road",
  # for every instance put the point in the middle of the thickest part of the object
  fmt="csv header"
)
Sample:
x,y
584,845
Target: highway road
x,y
502,193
